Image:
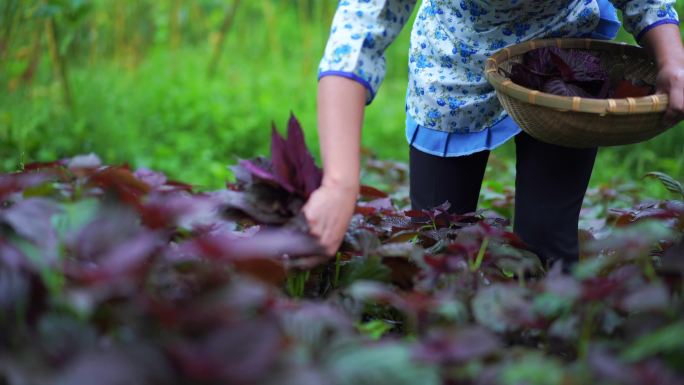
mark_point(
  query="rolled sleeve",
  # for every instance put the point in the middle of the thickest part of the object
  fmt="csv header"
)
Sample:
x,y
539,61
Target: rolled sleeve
x,y
640,16
361,32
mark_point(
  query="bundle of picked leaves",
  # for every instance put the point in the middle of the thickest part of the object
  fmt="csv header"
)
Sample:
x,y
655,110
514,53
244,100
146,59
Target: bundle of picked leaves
x,y
574,73
273,191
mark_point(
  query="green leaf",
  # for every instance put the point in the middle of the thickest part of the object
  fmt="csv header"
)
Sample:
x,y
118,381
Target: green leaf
x,y
667,339
532,369
589,268
669,182
42,190
453,310
374,329
552,305
364,268
74,216
566,328
501,307
384,364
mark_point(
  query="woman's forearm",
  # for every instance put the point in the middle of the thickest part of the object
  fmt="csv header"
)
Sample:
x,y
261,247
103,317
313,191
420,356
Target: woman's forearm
x,y
665,44
341,105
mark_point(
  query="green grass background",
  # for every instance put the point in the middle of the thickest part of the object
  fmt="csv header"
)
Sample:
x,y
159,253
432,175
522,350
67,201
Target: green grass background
x,y
153,105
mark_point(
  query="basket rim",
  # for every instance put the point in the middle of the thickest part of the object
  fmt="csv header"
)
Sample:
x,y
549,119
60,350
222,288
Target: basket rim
x,y
656,103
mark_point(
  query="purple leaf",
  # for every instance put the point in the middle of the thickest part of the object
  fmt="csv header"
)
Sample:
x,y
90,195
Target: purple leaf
x,y
83,165
379,204
265,174
539,61
503,308
15,288
315,324
563,286
657,372
562,72
447,347
11,257
113,245
238,353
522,75
297,374
23,295
559,87
673,259
13,183
31,219
654,297
372,192
363,291
280,157
133,365
265,244
292,166
609,368
309,175
121,180
121,261
578,65
276,243
263,204
130,254
152,178
536,68
176,210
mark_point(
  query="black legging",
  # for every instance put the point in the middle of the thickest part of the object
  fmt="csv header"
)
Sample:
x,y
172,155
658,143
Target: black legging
x,y
550,185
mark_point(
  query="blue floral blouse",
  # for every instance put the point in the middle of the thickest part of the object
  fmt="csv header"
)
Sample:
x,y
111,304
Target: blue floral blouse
x,y
442,143
450,41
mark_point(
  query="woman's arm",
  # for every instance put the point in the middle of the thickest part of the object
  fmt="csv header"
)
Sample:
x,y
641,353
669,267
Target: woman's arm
x,y
341,105
665,44
655,25
350,73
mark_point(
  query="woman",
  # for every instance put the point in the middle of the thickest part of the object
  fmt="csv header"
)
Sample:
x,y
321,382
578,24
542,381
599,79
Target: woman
x,y
453,117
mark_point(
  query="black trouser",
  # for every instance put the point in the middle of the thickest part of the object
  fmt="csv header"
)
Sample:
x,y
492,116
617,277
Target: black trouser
x,y
550,185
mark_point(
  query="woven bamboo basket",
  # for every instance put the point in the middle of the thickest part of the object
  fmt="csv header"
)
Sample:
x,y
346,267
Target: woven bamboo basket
x,y
575,121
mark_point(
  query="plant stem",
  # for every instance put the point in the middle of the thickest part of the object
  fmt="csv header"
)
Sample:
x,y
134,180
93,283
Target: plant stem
x,y
175,24
480,255
336,279
296,284
649,270
58,60
225,27
587,326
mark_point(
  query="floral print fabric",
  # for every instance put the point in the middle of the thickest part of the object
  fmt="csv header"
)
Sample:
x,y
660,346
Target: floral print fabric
x,y
450,42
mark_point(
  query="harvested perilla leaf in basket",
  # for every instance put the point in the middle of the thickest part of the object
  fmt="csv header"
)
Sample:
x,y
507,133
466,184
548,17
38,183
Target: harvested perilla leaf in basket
x,y
621,87
574,73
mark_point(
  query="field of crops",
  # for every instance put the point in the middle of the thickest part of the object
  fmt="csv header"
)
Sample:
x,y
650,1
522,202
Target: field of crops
x,y
124,276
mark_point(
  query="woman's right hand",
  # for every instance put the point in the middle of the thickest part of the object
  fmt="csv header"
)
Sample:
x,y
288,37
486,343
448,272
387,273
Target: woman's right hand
x,y
340,115
329,211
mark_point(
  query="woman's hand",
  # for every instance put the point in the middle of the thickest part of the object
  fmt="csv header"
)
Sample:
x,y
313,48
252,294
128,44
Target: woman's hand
x,y
329,211
665,44
670,81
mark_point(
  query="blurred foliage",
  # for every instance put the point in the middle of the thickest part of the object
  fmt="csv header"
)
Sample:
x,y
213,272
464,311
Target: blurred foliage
x,y
129,81
113,276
